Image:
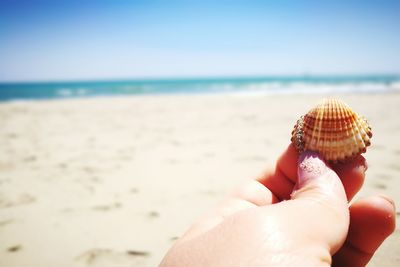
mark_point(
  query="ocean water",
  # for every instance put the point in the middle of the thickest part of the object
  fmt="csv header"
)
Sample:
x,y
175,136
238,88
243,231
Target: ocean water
x,y
236,86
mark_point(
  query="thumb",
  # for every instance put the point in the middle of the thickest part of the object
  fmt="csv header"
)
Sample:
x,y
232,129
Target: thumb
x,y
317,181
321,194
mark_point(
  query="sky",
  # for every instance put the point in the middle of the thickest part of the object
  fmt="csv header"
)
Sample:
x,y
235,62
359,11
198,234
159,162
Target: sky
x,y
89,40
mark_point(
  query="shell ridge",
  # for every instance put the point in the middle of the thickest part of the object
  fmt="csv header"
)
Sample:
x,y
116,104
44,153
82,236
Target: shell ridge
x,y
333,130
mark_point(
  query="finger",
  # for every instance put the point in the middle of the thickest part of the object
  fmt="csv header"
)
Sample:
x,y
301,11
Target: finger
x,y
317,181
320,193
253,192
281,180
352,175
283,177
372,220
268,189
248,195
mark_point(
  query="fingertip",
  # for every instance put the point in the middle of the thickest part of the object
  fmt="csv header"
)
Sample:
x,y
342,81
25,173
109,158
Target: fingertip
x,y
384,210
318,183
390,201
254,192
311,166
352,174
281,179
287,162
359,163
380,205
373,219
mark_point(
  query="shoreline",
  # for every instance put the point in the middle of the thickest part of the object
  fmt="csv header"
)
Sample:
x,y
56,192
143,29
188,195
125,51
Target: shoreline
x,y
238,94
270,85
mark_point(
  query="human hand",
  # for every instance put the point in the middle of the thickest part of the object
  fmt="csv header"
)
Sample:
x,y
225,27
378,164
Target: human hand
x,y
294,215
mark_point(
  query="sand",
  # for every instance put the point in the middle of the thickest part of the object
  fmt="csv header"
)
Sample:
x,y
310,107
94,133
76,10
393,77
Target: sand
x,y
114,181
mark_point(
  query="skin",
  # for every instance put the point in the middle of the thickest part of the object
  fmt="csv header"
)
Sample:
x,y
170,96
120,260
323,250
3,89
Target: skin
x,y
296,214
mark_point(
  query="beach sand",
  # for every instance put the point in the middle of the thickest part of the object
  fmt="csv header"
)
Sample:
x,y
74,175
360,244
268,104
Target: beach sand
x,y
115,181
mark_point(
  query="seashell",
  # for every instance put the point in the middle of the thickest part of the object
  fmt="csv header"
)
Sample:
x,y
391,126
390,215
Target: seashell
x,y
333,130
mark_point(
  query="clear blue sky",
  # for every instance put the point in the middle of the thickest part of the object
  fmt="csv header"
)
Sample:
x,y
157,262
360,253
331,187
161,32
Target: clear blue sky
x,y
66,40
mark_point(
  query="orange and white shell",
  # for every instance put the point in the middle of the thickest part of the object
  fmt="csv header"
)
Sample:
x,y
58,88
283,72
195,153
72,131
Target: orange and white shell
x,y
333,130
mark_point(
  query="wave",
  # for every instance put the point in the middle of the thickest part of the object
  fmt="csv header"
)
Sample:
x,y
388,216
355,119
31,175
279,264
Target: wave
x,y
71,92
311,88
235,86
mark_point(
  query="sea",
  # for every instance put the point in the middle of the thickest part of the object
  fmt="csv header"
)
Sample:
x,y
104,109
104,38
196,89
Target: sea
x,y
240,86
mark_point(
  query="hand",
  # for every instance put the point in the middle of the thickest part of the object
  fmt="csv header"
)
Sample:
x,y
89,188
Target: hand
x,y
295,215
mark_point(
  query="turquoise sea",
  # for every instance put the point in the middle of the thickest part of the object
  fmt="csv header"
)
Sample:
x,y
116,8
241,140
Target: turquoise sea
x,y
245,86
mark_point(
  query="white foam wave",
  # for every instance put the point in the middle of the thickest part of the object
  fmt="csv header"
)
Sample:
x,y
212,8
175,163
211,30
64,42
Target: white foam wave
x,y
81,91
395,86
68,92
257,89
64,92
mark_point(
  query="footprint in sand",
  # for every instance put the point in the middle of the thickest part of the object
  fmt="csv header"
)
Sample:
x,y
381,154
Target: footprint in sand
x,y
380,186
379,147
134,190
12,136
20,200
6,222
107,257
14,248
62,165
153,214
384,176
6,166
30,158
394,167
174,238
115,205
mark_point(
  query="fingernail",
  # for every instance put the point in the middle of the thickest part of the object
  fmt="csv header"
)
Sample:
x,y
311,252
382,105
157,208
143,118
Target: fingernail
x,y
388,199
310,167
362,164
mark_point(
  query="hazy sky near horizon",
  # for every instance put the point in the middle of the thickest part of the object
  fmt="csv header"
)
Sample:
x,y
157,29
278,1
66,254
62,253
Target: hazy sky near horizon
x,y
67,40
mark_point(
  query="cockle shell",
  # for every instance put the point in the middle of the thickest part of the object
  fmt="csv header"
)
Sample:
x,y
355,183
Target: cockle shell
x,y
333,130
